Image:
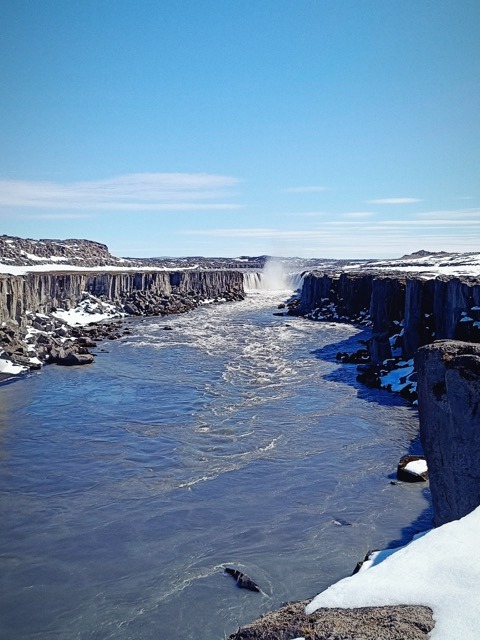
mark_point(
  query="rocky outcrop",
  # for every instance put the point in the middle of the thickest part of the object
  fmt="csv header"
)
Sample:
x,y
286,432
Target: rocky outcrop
x,y
28,252
449,409
399,622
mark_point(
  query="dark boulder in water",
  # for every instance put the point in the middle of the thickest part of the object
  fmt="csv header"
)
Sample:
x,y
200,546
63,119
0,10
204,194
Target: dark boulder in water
x,y
242,580
416,472
75,359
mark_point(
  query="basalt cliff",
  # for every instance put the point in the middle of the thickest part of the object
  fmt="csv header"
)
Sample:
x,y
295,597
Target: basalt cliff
x,y
136,293
404,312
56,276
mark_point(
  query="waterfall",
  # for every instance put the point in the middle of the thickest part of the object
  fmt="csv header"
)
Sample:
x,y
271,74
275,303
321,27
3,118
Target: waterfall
x,y
251,281
273,277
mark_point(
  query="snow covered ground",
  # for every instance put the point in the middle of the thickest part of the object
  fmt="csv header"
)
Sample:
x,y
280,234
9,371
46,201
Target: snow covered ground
x,y
431,265
47,268
8,368
441,570
425,264
90,309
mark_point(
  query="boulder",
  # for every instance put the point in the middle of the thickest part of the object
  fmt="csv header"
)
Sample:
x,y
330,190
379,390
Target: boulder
x,y
242,580
412,469
74,359
86,341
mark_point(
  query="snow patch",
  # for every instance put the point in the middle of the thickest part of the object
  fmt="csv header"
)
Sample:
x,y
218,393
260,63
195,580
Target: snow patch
x,y
7,367
417,467
90,309
439,570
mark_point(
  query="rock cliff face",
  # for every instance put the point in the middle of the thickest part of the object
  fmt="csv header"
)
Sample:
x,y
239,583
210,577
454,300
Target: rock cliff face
x,y
85,253
404,311
146,293
449,409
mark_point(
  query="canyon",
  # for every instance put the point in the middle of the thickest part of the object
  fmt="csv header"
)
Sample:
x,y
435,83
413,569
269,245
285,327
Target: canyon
x,y
429,318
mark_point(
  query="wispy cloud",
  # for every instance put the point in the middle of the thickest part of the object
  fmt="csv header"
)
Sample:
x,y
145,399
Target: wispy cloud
x,y
132,192
358,214
330,214
258,233
451,214
394,201
311,189
54,216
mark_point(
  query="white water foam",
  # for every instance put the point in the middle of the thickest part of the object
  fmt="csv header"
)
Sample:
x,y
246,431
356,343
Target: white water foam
x,y
274,276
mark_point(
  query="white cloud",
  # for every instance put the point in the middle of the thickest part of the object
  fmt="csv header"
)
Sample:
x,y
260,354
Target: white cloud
x,y
394,201
309,214
132,192
358,214
451,214
331,214
54,216
258,233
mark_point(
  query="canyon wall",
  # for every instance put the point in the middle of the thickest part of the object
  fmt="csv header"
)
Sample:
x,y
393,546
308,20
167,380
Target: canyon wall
x,y
405,312
449,411
144,293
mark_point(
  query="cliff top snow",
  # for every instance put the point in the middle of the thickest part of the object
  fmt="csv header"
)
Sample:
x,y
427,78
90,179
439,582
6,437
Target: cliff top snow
x,y
425,263
19,256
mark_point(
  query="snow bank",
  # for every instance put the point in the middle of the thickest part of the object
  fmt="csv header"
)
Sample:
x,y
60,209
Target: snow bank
x,y
47,268
7,367
440,570
431,266
90,309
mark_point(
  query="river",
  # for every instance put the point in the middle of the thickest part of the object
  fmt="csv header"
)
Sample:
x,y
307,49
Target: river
x,y
224,437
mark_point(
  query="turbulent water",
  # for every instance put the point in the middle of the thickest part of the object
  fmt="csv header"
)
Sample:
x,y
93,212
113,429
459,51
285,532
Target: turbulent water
x,y
232,439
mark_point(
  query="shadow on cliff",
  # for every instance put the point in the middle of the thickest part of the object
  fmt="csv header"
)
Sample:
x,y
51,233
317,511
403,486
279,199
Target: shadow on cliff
x,y
347,373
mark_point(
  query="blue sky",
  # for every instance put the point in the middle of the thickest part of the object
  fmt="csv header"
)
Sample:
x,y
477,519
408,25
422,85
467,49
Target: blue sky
x,y
319,128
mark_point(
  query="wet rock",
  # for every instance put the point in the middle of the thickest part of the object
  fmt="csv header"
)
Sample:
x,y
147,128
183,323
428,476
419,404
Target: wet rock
x,y
75,359
86,341
242,580
357,357
412,469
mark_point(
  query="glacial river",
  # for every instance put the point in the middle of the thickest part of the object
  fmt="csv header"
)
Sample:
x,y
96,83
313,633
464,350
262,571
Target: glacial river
x,y
231,439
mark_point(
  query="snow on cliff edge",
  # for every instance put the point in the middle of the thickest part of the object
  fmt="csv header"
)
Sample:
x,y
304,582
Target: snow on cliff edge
x,y
425,263
440,570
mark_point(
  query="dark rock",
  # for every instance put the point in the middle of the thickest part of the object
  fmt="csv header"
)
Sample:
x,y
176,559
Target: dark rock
x,y
406,475
449,411
242,580
369,375
74,359
86,341
357,357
